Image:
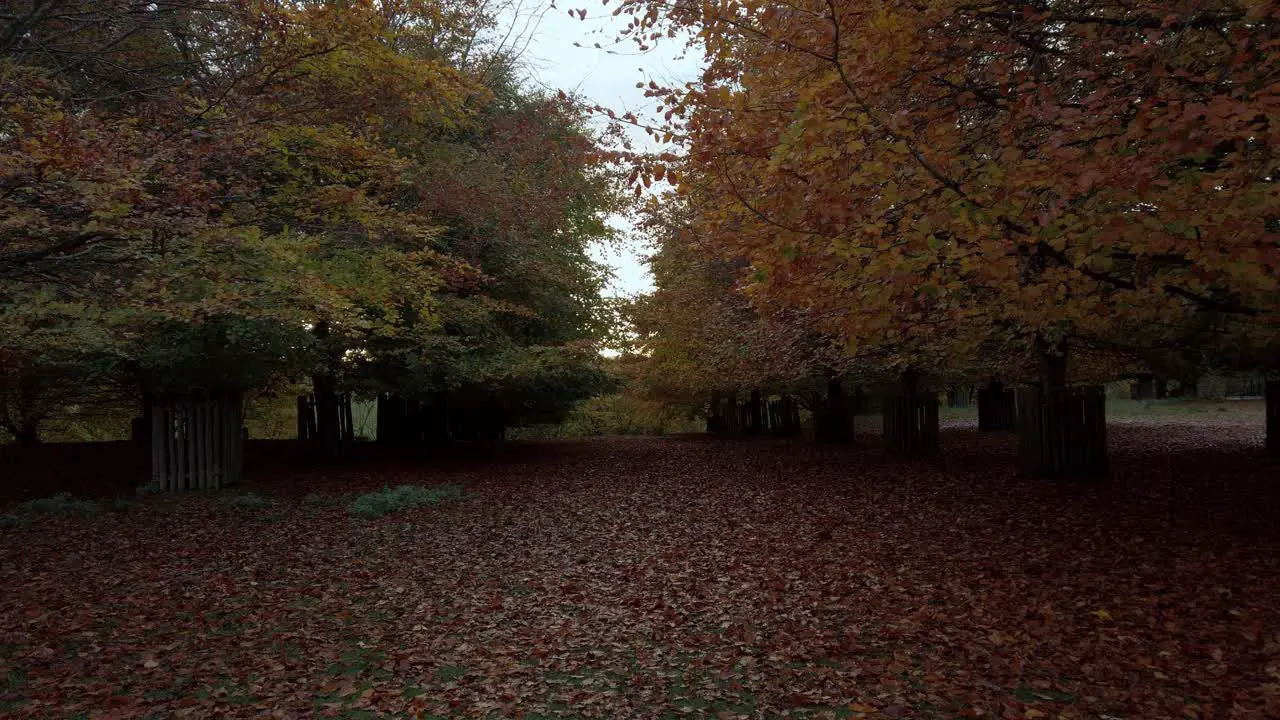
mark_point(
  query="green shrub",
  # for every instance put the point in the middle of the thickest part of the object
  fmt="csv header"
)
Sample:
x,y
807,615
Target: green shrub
x,y
404,497
59,504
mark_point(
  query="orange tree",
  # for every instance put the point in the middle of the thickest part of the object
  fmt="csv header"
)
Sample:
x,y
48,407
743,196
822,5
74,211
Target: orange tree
x,y
935,179
1034,171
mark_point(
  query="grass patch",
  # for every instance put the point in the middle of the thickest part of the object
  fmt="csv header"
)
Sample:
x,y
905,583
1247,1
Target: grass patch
x,y
60,504
399,499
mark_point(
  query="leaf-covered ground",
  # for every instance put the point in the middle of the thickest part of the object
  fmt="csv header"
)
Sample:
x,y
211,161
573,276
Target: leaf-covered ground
x,y
674,577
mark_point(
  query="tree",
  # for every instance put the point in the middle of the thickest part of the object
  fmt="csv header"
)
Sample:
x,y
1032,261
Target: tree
x,y
208,178
959,175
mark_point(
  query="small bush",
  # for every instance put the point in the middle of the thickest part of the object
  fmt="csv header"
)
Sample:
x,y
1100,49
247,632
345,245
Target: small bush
x,y
59,504
404,497
150,489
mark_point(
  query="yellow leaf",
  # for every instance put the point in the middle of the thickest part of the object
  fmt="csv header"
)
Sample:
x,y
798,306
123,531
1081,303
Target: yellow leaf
x,y
861,708
1101,615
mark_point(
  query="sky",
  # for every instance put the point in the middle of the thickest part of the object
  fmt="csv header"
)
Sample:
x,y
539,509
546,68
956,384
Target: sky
x,y
606,76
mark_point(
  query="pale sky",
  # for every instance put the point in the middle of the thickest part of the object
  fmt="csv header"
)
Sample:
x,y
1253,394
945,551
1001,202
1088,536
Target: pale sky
x,y
605,76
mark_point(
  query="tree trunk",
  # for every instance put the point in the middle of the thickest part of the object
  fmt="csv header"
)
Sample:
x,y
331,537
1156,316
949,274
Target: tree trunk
x,y
1061,430
755,414
27,437
786,416
832,422
958,396
1273,417
911,419
995,408
328,437
197,442
140,427
327,440
1144,388
715,416
733,422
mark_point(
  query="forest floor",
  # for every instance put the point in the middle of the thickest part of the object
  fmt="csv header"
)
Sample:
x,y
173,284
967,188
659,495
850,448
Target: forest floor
x,y
647,578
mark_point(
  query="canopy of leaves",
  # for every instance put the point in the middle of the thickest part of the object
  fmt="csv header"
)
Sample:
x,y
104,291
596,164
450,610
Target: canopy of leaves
x,y
929,181
186,185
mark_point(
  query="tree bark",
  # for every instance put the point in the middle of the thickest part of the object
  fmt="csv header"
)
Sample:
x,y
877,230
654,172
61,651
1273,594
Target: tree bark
x,y
1144,388
755,414
328,438
911,419
27,437
995,408
1273,417
832,422
1062,431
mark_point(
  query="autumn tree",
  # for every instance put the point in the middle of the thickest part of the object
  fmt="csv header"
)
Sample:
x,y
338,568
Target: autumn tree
x,y
201,181
1035,173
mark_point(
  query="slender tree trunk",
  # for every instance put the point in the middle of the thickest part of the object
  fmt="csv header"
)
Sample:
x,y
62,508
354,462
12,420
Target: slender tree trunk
x,y
832,423
995,408
28,435
755,414
328,436
715,421
1273,417
140,427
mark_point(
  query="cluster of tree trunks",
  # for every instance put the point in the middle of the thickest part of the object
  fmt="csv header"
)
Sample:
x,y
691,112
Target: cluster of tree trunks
x,y
1062,432
1149,387
197,441
1273,417
833,418
757,415
325,423
413,422
784,416
996,408
958,396
911,419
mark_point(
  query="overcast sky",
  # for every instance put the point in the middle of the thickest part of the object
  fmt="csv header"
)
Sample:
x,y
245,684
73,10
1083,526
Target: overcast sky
x,y
606,76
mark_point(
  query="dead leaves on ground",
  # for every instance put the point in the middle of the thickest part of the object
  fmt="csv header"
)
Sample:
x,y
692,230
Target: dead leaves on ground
x,y
667,578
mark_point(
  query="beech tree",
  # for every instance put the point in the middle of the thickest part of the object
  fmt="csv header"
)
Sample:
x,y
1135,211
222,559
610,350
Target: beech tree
x,y
1038,174
193,184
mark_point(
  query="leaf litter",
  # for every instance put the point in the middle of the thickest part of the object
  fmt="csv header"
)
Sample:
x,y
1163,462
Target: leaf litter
x,y
681,577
